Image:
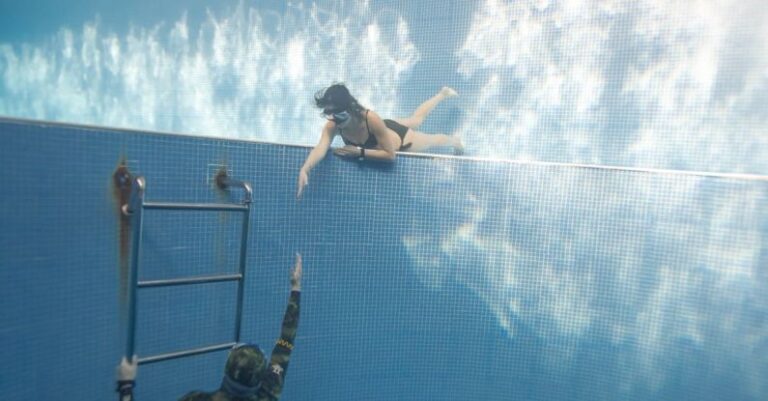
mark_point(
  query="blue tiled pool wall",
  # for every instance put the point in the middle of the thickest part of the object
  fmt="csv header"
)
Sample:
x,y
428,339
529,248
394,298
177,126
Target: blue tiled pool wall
x,y
431,279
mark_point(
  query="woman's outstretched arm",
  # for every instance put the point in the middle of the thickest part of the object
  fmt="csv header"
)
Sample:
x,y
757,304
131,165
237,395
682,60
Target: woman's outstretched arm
x,y
315,156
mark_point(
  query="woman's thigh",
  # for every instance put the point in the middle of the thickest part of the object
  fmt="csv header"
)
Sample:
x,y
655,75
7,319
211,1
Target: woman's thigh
x,y
410,122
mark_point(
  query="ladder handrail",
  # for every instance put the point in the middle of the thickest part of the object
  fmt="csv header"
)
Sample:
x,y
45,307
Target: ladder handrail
x,y
134,208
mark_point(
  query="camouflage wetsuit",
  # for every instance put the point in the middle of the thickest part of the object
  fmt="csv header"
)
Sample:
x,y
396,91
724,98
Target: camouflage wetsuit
x,y
274,377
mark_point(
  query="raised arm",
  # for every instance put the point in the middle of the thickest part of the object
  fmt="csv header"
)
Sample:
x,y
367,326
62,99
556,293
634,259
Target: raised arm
x,y
275,376
317,154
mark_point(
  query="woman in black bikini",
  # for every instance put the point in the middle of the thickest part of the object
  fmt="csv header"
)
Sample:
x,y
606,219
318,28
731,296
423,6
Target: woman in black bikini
x,y
366,135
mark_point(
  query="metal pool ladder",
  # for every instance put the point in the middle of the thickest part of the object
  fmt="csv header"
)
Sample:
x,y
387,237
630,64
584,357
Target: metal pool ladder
x,y
135,208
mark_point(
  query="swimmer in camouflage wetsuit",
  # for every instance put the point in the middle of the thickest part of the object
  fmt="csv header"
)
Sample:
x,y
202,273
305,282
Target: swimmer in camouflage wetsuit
x,y
247,377
246,374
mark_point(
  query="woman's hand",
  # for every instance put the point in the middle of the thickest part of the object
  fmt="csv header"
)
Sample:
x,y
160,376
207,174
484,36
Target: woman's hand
x,y
303,181
348,152
126,377
126,370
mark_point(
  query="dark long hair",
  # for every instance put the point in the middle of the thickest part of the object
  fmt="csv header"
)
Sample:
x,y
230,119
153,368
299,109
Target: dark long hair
x,y
338,96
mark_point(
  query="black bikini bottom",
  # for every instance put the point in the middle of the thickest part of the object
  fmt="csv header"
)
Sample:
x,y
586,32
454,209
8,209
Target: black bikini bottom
x,y
400,129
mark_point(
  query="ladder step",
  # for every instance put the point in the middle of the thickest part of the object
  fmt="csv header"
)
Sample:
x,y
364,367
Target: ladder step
x,y
190,352
190,280
195,206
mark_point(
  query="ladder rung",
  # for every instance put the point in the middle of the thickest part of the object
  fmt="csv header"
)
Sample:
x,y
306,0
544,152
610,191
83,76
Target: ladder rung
x,y
195,206
190,280
190,352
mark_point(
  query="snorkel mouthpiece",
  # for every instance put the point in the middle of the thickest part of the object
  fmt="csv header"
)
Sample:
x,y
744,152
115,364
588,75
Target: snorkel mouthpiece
x,y
340,118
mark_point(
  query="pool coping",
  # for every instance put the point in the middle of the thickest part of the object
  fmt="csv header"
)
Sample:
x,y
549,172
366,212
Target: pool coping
x,y
735,176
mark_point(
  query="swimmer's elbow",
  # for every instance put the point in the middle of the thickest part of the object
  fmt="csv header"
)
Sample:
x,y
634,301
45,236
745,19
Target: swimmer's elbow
x,y
391,155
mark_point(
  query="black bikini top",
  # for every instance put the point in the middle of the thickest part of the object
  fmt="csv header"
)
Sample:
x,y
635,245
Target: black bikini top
x,y
369,144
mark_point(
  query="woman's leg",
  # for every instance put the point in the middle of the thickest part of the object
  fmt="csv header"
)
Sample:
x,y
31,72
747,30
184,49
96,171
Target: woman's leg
x,y
420,142
418,116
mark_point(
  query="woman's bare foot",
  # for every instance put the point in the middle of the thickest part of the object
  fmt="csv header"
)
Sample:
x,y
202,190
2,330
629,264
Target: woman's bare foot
x,y
447,92
458,146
